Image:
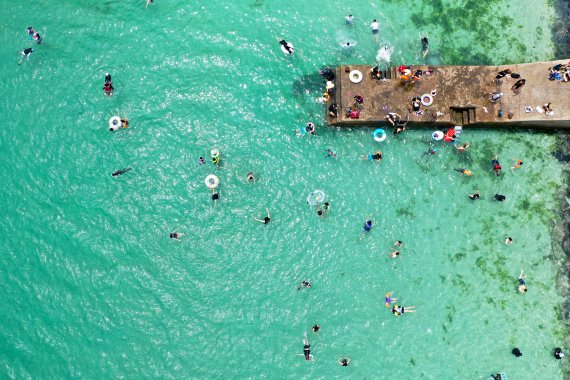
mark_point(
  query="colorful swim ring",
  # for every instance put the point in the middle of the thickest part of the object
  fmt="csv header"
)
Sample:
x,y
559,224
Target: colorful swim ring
x,y
316,197
212,181
115,123
355,76
215,153
437,135
427,100
379,135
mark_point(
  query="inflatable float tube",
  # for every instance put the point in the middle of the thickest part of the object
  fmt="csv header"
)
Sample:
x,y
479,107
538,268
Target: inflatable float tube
x,y
355,76
379,135
115,123
284,50
437,135
316,197
427,100
212,181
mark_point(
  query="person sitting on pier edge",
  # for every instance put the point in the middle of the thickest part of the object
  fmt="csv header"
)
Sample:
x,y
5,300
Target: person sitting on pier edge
x,y
358,100
333,110
375,73
393,118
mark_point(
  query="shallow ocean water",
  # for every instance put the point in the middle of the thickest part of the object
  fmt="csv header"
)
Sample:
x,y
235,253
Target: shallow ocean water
x,y
93,287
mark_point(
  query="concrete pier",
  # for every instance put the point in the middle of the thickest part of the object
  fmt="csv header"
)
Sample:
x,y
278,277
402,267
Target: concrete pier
x,y
462,97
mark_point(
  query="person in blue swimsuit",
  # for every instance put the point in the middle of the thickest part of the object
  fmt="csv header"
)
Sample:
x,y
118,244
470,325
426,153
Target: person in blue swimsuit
x,y
522,283
367,226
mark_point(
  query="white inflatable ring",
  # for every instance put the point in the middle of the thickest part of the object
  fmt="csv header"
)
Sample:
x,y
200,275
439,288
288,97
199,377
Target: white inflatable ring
x,y
115,123
212,181
317,196
437,135
215,153
427,100
355,76
379,135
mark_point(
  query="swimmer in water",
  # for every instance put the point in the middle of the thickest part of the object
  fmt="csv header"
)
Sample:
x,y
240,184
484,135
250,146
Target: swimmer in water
x,y
201,161
375,27
348,44
349,19
558,354
461,148
316,328
425,46
344,361
108,78
265,220
399,310
522,284
398,243
373,157
304,284
509,240
26,55
394,254
108,88
400,128
474,196
215,197
499,197
124,122
496,166
31,31
287,46
389,299
367,226
307,348
309,129
517,165
148,2
120,172
37,38
175,235
431,151
330,152
250,177
465,172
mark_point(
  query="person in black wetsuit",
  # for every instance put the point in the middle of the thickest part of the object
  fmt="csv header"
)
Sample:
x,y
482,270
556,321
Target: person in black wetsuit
x,y
120,172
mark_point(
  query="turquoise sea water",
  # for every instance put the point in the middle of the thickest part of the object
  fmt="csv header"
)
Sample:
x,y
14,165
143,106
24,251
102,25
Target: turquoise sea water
x,y
92,287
